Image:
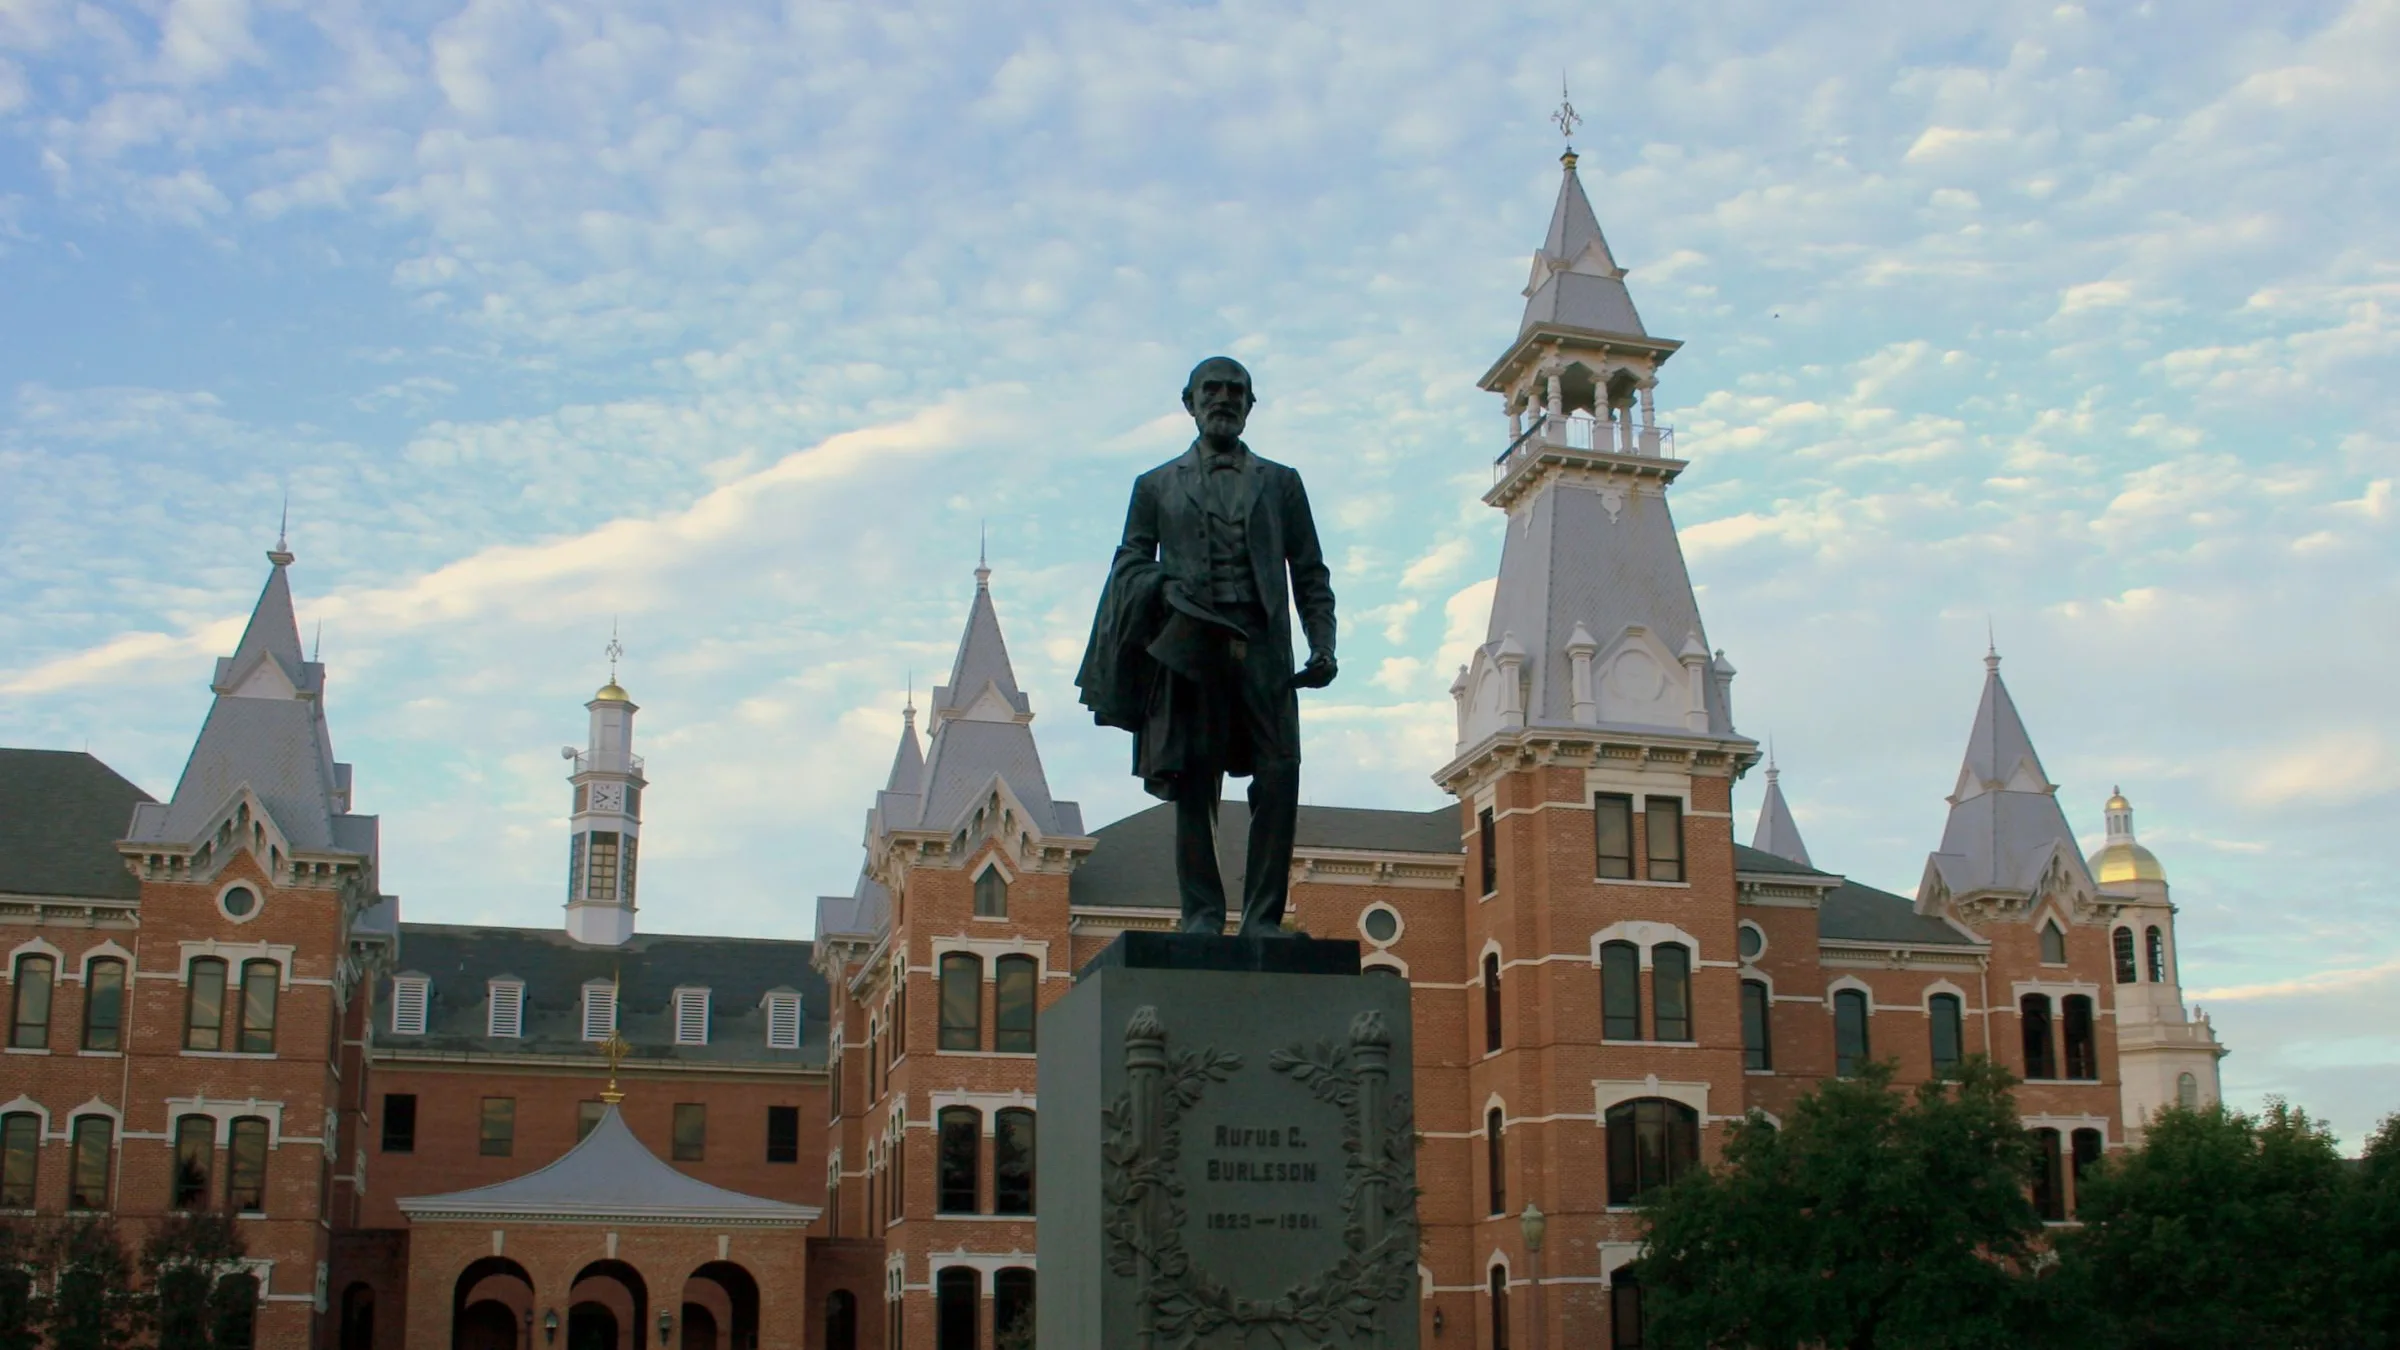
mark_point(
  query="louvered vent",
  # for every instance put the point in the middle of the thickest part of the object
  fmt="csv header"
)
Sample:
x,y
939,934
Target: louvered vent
x,y
410,994
507,1016
783,1020
599,1011
691,1017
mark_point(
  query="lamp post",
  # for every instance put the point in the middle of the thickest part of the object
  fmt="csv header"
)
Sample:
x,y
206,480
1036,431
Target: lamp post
x,y
550,1326
666,1325
1535,1224
528,1326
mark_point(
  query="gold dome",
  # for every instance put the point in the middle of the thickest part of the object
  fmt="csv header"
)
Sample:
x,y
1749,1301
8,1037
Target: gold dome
x,y
2126,860
612,692
2117,802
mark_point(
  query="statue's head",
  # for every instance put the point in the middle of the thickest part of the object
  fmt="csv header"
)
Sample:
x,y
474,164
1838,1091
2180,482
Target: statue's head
x,y
1219,397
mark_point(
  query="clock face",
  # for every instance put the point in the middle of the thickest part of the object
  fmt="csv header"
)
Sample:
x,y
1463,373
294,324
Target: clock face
x,y
608,797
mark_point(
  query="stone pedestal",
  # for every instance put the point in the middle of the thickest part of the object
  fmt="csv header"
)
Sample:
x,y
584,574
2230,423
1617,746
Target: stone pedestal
x,y
1227,1152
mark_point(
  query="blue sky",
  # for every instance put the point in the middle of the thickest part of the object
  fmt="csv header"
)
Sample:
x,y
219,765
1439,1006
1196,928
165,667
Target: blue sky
x,y
731,322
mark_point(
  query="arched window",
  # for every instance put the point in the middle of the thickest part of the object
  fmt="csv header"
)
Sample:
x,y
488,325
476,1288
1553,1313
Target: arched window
x,y
2121,946
204,1006
1651,1142
962,1001
1012,1162
1013,981
2087,1149
1491,1002
961,1129
1949,1031
1495,1157
195,1152
1499,1289
1758,1048
1620,991
841,1320
2033,1021
20,1158
358,1316
255,1020
2075,1024
1671,992
29,1026
233,1311
1012,1308
991,895
956,1291
2049,1187
1624,1310
2156,941
2054,944
2187,1092
246,1166
87,1170
104,1004
1850,1045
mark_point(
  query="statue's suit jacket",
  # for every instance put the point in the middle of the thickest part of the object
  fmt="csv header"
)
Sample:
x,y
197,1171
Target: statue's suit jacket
x,y
1139,637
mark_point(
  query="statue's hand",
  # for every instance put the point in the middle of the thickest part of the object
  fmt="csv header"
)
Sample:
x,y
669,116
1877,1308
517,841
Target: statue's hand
x,y
1318,673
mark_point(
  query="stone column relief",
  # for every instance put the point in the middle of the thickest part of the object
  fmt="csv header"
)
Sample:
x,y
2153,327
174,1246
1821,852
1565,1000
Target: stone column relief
x,y
1181,1305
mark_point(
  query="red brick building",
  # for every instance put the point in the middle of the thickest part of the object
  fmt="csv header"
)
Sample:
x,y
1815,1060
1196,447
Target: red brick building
x,y
212,1003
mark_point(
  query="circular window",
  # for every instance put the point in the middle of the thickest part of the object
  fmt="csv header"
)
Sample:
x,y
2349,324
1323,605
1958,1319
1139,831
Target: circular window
x,y
1752,942
240,902
1380,925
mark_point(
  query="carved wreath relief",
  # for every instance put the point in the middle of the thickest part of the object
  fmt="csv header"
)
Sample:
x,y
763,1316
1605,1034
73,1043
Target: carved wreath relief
x,y
1181,1305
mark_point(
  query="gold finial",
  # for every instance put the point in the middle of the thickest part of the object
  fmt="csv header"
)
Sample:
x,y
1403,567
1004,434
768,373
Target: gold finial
x,y
616,1047
1566,120
614,649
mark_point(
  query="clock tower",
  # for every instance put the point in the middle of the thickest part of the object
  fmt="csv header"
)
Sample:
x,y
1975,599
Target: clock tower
x,y
607,822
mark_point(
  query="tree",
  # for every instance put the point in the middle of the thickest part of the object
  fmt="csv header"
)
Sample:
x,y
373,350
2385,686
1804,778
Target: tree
x,y
23,1252
2371,1224
190,1260
2221,1230
1873,1218
94,1306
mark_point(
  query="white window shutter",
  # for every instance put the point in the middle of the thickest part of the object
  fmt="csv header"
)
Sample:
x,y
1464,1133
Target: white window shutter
x,y
783,1020
599,1011
409,997
507,1017
691,1017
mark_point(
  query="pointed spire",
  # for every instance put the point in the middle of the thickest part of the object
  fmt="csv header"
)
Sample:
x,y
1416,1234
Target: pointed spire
x,y
2005,829
982,657
1777,832
907,777
2000,752
273,633
1576,282
281,554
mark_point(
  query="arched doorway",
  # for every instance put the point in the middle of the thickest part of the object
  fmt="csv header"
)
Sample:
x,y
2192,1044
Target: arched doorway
x,y
728,1295
592,1326
616,1291
487,1304
358,1316
699,1327
841,1320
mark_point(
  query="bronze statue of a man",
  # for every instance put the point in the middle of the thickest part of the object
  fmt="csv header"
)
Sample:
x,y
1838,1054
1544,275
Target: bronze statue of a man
x,y
1191,650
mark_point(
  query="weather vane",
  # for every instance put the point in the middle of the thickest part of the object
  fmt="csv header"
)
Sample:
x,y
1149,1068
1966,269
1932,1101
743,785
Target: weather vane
x,y
615,649
616,1047
1565,119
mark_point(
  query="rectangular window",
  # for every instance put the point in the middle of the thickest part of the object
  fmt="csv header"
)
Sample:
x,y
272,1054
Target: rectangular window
x,y
260,981
2049,1183
600,866
1488,844
2033,1021
1620,991
2121,947
1758,1051
104,1005
691,1131
691,1017
1850,1048
87,1179
20,1158
1664,836
1949,1032
1612,835
960,1130
30,1028
246,1166
783,1020
410,994
1013,980
1671,992
195,1152
599,1010
588,1116
783,1134
991,895
574,867
399,1122
497,1130
2087,1150
1012,1162
204,1008
2083,1051
505,1018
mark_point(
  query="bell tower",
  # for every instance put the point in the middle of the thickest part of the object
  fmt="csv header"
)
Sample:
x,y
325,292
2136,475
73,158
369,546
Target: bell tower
x,y
603,850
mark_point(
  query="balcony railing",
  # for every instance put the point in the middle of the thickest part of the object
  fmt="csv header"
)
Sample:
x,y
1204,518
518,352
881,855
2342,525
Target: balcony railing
x,y
1579,431
585,762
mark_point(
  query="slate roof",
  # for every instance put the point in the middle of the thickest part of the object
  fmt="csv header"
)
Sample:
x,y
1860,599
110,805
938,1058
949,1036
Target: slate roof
x,y
1133,865
609,1176
1576,282
1857,912
1777,832
2005,828
738,972
61,815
